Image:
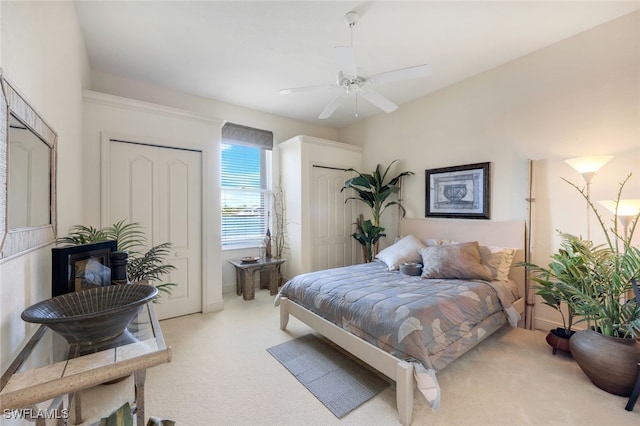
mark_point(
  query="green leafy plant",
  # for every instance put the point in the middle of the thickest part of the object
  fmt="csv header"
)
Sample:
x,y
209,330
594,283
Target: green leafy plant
x,y
567,269
144,264
596,280
374,190
367,234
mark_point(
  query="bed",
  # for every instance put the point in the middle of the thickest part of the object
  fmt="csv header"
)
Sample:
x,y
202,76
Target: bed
x,y
410,327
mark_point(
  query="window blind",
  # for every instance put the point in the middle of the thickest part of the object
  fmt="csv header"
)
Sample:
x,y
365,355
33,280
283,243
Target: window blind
x,y
244,184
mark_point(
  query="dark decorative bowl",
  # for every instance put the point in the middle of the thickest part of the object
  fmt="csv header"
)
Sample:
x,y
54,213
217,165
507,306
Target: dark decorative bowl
x,y
92,317
411,268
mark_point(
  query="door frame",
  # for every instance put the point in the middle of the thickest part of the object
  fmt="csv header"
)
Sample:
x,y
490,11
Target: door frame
x,y
208,221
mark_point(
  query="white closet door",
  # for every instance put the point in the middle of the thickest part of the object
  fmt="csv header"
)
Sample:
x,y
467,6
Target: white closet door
x,y
331,219
161,188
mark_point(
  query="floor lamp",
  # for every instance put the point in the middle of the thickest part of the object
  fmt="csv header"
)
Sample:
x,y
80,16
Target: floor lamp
x,y
587,167
625,211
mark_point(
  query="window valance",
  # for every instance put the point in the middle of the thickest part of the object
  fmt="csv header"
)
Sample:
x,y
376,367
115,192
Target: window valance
x,y
244,135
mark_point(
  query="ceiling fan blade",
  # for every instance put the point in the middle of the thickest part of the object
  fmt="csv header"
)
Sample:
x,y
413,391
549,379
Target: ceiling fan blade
x,y
378,100
331,107
308,89
401,74
346,58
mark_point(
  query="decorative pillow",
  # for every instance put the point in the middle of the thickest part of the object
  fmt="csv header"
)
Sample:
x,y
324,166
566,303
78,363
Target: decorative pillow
x,y
498,260
454,261
405,250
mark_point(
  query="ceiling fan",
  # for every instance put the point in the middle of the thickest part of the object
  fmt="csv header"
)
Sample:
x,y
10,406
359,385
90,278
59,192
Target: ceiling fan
x,y
351,81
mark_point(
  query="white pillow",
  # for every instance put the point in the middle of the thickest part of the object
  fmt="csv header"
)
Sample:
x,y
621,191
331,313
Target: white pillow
x,y
498,259
405,250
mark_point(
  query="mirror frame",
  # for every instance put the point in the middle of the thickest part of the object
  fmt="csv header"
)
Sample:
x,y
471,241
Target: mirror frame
x,y
20,240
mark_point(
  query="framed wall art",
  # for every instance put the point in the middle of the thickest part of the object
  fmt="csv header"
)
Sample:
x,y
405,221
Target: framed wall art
x,y
79,267
458,192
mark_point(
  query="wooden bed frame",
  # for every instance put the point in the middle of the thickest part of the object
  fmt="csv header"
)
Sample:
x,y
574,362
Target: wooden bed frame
x,y
494,233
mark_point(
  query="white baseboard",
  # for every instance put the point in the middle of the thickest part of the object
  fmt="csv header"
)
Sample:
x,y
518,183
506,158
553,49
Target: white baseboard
x,y
213,307
546,325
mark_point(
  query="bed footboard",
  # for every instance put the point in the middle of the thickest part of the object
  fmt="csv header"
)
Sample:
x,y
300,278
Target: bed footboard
x,y
397,370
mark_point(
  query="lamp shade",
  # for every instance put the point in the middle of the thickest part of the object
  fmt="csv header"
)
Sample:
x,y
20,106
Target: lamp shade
x,y
589,164
628,207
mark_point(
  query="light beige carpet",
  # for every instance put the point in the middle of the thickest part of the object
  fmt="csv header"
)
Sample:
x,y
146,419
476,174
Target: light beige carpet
x,y
221,374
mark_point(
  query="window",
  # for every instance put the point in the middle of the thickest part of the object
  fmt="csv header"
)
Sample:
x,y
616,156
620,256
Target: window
x,y
246,155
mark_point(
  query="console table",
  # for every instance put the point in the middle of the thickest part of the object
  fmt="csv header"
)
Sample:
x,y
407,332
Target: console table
x,y
269,276
43,371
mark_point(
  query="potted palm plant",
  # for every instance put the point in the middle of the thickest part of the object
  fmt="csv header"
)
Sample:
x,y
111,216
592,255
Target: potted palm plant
x,y
566,269
145,265
367,234
607,351
374,190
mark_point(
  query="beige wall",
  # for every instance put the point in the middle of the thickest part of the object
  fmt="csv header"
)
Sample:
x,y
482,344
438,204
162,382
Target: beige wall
x,y
282,128
108,116
578,97
49,66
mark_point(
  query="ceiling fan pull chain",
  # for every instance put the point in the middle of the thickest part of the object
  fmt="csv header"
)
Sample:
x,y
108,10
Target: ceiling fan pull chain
x,y
351,34
356,105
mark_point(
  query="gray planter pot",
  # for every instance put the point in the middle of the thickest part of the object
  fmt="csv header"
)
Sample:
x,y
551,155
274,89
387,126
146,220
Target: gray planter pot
x,y
611,363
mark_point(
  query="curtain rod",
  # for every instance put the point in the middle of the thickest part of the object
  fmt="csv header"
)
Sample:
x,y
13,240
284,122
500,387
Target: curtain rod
x,y
330,168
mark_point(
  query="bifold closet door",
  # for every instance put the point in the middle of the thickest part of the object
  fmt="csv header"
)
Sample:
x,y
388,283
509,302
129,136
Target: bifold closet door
x,y
160,187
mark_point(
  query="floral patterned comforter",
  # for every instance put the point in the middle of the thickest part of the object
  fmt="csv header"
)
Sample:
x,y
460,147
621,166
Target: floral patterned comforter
x,y
432,321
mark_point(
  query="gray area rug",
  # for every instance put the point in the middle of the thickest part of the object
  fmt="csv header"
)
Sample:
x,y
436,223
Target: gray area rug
x,y
338,381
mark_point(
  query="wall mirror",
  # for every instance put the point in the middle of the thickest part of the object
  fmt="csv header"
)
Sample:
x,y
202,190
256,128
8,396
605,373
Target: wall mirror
x,y
27,175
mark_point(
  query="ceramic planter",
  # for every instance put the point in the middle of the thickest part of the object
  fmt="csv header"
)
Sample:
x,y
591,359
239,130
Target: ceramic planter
x,y
611,363
559,340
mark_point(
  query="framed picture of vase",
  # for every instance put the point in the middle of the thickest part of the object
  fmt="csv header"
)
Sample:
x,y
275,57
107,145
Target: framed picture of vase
x,y
458,191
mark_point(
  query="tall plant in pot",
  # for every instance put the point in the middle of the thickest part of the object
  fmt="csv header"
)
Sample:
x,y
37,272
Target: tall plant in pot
x,y
374,190
145,264
608,351
566,269
368,235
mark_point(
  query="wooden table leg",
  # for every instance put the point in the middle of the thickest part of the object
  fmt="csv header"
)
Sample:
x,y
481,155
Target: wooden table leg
x,y
248,288
239,281
264,278
273,280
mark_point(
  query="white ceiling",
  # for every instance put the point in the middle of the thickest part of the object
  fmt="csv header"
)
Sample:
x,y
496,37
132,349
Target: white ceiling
x,y
244,52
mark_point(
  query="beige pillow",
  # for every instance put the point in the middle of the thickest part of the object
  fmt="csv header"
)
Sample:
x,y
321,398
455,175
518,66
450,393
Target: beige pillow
x,y
405,250
455,261
498,259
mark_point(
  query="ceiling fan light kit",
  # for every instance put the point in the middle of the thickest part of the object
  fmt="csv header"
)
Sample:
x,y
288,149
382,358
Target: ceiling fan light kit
x,y
352,82
351,18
